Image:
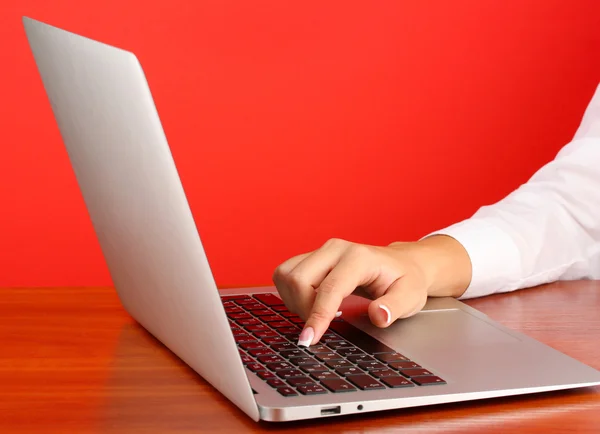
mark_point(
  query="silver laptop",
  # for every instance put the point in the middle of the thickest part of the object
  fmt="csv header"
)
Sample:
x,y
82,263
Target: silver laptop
x,y
244,342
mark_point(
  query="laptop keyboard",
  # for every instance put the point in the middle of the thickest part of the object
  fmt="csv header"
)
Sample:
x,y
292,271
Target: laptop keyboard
x,y
345,360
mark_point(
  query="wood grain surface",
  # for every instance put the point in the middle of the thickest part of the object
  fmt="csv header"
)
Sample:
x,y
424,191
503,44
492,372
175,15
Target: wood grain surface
x,y
73,361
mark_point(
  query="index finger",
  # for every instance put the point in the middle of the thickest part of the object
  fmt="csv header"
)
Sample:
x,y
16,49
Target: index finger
x,y
341,281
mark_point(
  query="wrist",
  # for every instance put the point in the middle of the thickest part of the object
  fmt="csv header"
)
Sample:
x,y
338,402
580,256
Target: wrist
x,y
446,264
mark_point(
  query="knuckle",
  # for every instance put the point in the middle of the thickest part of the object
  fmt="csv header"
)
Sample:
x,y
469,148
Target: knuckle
x,y
335,242
295,281
321,316
328,286
359,250
279,273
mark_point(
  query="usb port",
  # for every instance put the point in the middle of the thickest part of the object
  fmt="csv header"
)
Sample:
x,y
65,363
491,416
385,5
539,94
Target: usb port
x,y
331,410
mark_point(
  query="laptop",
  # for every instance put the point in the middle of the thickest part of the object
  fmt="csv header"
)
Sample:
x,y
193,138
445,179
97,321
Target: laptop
x,y
243,342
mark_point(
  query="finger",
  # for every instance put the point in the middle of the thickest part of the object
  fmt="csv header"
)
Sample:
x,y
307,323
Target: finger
x,y
310,273
348,274
280,280
402,299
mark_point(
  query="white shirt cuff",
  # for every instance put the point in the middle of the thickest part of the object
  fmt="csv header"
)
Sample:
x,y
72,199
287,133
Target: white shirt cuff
x,y
495,258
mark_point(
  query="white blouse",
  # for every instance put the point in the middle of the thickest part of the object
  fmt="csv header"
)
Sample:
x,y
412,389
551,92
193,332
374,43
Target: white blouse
x,y
546,230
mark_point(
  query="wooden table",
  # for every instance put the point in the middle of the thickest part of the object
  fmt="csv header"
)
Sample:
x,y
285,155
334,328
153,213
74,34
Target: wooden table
x,y
72,361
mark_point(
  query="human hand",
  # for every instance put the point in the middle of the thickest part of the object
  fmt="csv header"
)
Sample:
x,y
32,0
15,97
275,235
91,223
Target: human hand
x,y
398,278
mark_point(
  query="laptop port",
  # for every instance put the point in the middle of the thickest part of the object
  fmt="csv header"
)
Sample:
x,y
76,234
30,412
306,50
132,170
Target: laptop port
x,y
331,410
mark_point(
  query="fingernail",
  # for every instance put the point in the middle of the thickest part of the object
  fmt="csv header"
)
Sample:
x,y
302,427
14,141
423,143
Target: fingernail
x,y
306,337
386,315
338,314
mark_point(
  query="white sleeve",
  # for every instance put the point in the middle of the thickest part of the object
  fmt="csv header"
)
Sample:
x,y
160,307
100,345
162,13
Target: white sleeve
x,y
546,230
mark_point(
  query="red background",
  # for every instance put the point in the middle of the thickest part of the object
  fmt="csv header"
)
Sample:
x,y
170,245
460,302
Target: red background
x,y
294,122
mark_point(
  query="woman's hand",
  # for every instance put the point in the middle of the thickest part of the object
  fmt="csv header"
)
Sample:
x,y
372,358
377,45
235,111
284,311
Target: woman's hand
x,y
398,278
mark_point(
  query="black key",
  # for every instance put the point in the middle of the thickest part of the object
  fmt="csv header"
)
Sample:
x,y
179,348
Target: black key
x,y
236,329
335,364
281,308
380,373
246,302
276,382
327,375
266,334
270,359
247,359
330,340
290,373
274,340
349,351
300,381
361,358
288,314
234,297
326,357
238,316
303,361
242,338
337,385
288,354
261,352
397,381
233,309
262,312
253,307
287,391
296,320
248,322
271,318
269,299
227,304
311,389
254,367
282,346
289,330
318,349
313,368
365,342
338,344
252,345
403,365
352,370
281,324
368,366
266,375
279,366
411,373
394,357
428,380
365,382
257,328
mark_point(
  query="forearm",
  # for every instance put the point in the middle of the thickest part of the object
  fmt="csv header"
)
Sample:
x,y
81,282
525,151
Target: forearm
x,y
546,230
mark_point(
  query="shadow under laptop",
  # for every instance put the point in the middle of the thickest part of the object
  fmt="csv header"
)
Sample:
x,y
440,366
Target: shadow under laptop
x,y
149,388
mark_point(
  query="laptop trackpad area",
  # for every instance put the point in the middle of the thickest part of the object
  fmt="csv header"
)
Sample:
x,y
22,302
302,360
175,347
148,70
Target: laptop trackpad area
x,y
433,330
451,342
447,328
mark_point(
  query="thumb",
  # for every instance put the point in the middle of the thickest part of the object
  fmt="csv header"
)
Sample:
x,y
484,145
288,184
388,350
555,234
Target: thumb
x,y
402,299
